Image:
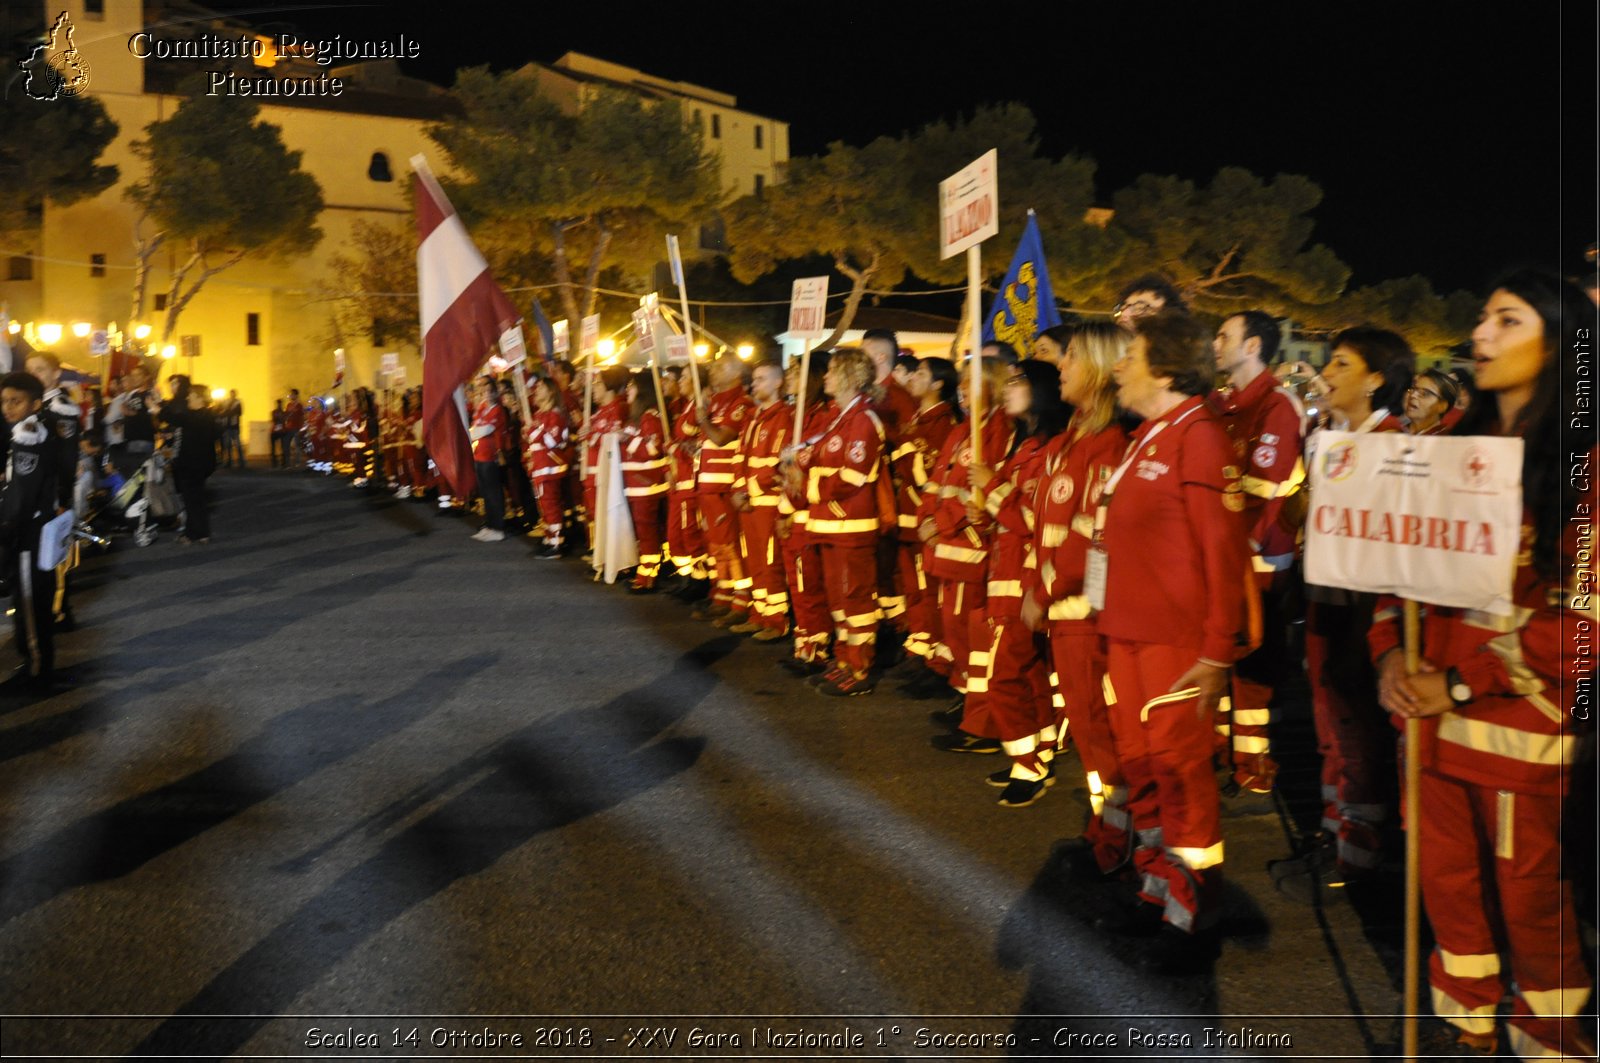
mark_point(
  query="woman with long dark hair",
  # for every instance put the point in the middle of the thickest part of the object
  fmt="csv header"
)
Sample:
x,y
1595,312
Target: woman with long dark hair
x,y
1010,677
1502,698
644,477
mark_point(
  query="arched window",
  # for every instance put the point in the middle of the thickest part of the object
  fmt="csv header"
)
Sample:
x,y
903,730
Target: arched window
x,y
378,168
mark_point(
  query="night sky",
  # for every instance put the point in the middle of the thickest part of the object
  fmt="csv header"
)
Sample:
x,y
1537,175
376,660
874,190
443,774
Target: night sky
x,y
1435,130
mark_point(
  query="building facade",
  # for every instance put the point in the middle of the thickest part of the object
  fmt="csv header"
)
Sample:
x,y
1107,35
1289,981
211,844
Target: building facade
x,y
265,326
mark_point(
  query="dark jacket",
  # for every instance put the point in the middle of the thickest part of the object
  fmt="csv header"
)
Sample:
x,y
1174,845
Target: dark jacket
x,y
196,437
28,500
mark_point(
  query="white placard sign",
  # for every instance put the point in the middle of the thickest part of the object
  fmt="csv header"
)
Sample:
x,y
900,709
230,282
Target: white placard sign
x,y
99,342
338,361
677,347
969,205
391,363
513,350
558,333
644,330
397,379
1430,518
589,334
808,306
676,259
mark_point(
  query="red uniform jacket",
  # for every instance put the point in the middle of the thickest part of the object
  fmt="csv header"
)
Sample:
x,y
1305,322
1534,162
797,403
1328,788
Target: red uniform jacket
x,y
730,408
1174,538
818,417
896,410
644,457
841,470
1074,475
685,444
607,418
959,552
912,458
1520,731
489,415
1266,424
765,436
294,416
1007,525
549,439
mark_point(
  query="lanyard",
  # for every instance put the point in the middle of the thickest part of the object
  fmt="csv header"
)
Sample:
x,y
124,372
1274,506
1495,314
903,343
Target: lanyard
x,y
814,440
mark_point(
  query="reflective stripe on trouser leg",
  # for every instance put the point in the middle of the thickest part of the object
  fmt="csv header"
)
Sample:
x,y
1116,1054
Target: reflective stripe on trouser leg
x,y
851,576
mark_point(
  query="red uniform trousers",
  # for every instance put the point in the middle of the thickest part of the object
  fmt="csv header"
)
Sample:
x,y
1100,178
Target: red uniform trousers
x,y
1019,703
686,540
1492,883
921,618
649,522
808,594
891,586
769,590
1243,724
1079,656
1164,747
1353,733
851,576
722,541
952,656
552,512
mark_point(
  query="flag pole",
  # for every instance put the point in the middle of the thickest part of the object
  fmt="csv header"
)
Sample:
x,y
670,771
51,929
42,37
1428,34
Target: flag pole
x,y
800,396
683,301
975,334
1413,810
661,398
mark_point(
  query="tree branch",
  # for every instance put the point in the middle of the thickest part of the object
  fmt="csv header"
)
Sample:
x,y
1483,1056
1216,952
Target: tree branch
x,y
852,303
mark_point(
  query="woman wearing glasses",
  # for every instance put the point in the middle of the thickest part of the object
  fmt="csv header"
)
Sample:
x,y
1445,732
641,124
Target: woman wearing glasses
x,y
1432,395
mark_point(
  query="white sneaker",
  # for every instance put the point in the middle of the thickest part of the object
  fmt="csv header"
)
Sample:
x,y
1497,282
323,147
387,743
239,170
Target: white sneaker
x,y
489,535
404,492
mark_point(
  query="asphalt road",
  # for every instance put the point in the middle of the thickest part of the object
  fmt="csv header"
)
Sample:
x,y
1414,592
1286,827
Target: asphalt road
x,y
346,770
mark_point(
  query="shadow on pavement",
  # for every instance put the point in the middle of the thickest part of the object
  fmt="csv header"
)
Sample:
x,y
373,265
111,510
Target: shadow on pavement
x,y
549,774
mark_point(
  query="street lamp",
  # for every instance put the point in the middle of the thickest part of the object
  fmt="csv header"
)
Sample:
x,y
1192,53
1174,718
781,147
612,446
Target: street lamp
x,y
169,352
80,329
49,333
701,350
16,327
141,332
218,394
746,352
606,349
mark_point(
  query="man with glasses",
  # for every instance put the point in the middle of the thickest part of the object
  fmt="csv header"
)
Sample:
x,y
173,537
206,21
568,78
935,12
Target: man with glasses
x,y
1143,297
1266,424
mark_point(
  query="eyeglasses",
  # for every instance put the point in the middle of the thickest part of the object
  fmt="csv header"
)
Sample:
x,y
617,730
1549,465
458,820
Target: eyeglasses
x,y
1414,390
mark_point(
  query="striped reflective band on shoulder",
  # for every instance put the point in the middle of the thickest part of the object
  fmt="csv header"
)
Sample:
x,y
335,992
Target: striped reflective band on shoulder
x,y
1073,607
823,526
1197,859
642,466
948,552
1186,694
1509,742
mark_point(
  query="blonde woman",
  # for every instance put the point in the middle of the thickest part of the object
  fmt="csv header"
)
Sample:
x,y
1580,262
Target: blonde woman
x,y
1076,467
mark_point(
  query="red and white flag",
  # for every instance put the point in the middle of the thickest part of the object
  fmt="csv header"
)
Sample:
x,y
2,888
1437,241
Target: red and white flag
x,y
464,313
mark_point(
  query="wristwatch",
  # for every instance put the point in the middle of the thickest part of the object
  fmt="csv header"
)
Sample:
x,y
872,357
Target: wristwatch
x,y
1457,687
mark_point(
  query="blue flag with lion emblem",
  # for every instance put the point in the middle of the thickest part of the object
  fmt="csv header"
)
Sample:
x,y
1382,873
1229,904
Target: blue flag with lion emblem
x,y
1026,304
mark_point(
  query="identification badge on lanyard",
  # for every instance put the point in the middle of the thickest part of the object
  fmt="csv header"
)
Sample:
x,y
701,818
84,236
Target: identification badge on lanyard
x,y
1094,578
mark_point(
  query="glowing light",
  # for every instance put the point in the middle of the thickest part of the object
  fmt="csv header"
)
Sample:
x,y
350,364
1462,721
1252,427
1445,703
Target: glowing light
x,y
606,348
701,350
16,327
746,352
80,329
49,333
169,351
141,332
219,394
